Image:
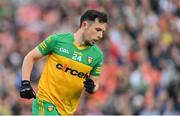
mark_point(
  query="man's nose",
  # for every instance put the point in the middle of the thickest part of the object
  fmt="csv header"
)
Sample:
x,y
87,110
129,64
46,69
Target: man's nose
x,y
100,36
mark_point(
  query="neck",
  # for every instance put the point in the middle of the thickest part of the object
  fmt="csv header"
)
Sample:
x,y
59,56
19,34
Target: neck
x,y
78,36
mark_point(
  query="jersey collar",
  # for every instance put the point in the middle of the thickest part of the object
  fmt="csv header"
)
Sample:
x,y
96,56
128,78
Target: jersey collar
x,y
78,46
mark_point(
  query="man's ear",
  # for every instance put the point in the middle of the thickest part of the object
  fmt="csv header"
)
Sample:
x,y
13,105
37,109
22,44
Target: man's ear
x,y
85,24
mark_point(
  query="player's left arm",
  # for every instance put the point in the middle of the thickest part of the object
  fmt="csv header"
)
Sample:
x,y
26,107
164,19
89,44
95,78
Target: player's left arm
x,y
91,83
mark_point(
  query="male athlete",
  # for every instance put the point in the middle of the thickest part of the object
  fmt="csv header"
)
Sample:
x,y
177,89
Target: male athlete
x,y
73,64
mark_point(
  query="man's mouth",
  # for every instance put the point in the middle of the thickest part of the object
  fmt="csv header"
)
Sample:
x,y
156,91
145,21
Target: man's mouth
x,y
93,42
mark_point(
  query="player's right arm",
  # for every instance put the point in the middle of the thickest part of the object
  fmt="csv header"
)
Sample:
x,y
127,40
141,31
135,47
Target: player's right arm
x,y
43,49
26,91
28,62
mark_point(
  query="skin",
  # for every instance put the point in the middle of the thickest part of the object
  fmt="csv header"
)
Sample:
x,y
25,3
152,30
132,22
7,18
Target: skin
x,y
89,33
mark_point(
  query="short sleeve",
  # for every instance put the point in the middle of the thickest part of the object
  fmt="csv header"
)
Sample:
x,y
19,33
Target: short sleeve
x,y
46,46
96,71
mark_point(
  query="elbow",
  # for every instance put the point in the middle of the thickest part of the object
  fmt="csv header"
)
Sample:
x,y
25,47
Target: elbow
x,y
29,57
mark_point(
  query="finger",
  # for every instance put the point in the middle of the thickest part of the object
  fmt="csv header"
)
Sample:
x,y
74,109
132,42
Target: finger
x,y
89,90
88,82
89,86
31,95
27,95
22,95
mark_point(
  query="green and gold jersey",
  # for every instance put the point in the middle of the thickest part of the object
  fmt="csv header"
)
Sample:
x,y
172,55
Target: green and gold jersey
x,y
66,68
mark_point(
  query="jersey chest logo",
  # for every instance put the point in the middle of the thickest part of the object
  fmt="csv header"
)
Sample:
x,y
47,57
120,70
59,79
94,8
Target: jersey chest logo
x,y
89,59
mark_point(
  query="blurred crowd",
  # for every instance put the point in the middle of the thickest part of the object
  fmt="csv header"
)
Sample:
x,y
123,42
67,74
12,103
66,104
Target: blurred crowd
x,y
141,71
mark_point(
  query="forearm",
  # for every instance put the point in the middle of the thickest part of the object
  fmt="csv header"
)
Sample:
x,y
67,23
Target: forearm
x,y
27,67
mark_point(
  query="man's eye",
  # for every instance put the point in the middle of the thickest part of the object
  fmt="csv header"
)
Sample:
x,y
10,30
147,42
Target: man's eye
x,y
98,29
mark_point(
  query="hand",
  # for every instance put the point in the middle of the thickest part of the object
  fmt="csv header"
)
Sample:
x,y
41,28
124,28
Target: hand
x,y
89,85
26,91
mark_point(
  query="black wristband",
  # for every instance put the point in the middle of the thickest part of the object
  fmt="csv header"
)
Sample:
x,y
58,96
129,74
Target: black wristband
x,y
25,82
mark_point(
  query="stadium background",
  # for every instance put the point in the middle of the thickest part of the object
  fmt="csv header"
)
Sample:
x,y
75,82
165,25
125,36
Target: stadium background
x,y
141,74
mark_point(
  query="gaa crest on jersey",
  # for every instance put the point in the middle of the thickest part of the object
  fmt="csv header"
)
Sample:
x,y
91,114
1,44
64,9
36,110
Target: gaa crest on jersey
x,y
50,108
89,59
